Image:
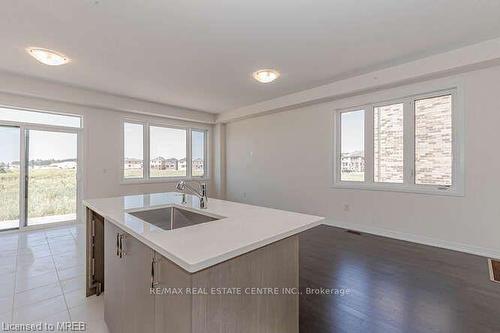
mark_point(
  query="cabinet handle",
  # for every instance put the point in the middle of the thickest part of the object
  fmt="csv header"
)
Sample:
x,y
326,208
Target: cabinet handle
x,y
117,244
154,283
121,245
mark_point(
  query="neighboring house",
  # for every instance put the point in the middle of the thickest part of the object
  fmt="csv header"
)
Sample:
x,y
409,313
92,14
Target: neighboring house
x,y
161,163
133,163
353,162
158,163
198,164
171,164
182,165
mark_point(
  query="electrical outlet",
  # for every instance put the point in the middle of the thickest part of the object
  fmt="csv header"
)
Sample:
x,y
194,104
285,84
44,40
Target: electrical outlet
x,y
347,207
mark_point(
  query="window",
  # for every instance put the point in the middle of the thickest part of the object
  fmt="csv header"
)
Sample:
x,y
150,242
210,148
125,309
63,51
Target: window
x,y
167,147
43,118
412,144
167,152
198,153
352,143
133,149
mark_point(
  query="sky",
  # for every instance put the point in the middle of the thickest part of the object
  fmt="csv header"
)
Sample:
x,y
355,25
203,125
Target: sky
x,y
352,131
9,144
43,145
52,145
167,142
197,140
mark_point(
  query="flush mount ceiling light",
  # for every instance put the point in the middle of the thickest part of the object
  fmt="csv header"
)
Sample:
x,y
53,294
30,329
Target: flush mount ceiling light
x,y
266,75
48,57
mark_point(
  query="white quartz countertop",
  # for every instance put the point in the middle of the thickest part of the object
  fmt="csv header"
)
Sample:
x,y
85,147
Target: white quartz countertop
x,y
240,229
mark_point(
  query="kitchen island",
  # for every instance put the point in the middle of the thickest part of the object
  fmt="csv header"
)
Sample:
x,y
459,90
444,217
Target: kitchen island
x,y
165,265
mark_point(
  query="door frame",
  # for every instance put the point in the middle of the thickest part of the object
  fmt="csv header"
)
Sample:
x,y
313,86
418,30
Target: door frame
x,y
23,158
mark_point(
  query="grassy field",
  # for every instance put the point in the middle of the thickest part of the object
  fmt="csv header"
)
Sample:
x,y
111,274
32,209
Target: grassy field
x,y
353,176
137,173
51,192
9,195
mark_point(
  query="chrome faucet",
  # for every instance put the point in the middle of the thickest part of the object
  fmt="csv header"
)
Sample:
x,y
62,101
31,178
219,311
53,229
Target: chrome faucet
x,y
202,193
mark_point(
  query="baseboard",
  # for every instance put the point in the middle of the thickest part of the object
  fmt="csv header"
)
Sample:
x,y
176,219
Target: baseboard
x,y
455,246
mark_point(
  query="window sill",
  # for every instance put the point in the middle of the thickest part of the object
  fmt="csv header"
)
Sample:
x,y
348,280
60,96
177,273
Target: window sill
x,y
452,192
161,180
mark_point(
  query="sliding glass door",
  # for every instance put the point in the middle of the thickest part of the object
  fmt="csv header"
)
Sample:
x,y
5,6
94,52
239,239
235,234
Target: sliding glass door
x,y
51,182
38,175
10,177
39,167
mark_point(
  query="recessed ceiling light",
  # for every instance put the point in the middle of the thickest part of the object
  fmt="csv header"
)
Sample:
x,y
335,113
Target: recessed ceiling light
x,y
266,75
48,57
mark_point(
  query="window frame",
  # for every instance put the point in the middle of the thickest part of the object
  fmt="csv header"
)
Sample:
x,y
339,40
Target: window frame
x,y
146,179
408,185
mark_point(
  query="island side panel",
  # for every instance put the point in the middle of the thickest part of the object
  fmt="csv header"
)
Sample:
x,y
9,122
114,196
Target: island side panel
x,y
94,252
273,266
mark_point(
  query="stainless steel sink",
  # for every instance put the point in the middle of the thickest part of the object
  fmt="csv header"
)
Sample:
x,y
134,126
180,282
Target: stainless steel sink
x,y
170,218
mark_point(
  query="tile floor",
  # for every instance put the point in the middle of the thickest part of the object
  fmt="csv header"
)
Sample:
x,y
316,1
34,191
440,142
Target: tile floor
x,y
42,278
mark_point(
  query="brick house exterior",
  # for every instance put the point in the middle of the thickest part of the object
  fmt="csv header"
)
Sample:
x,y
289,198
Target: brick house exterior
x,y
198,164
433,142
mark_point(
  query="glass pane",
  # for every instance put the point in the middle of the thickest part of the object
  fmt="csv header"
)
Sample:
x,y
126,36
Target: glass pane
x,y
388,143
167,148
198,151
52,167
9,177
433,141
352,146
133,163
36,117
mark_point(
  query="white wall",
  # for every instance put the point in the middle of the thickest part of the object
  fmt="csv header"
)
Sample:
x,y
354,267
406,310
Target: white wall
x,y
283,160
56,92
102,145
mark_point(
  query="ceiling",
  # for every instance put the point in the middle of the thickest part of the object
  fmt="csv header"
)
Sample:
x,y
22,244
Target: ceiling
x,y
200,54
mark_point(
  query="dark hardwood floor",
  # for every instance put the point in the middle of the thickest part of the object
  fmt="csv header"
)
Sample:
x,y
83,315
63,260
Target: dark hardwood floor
x,y
395,286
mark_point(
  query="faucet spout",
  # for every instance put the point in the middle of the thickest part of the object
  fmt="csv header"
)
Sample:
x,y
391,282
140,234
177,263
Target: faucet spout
x,y
201,193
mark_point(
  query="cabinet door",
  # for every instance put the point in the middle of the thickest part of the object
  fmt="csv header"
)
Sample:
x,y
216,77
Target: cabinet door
x,y
173,311
138,301
113,275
